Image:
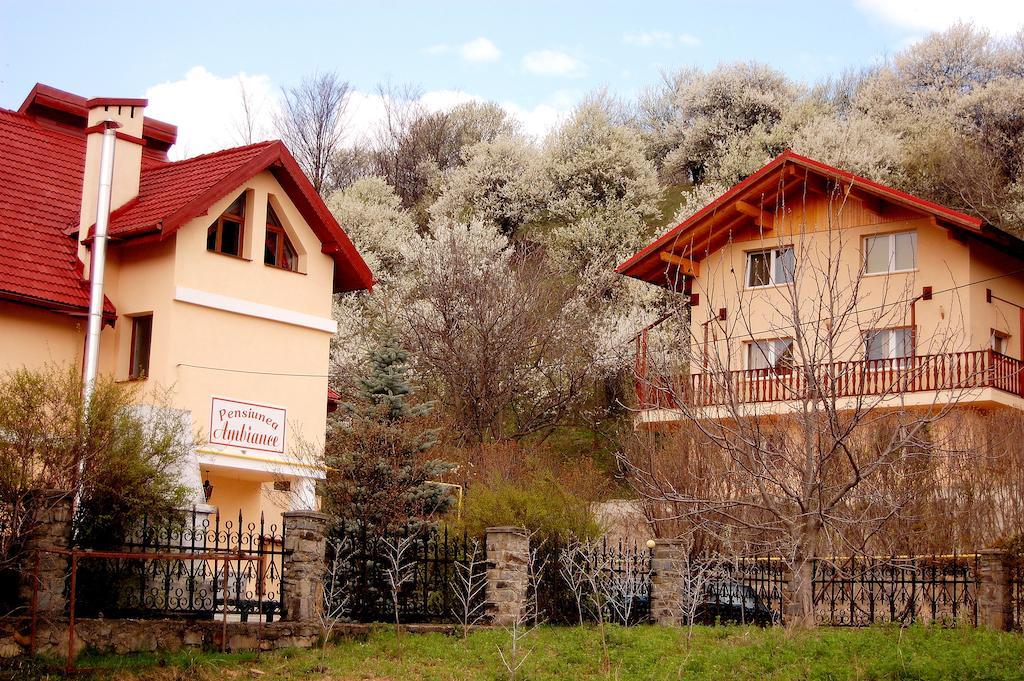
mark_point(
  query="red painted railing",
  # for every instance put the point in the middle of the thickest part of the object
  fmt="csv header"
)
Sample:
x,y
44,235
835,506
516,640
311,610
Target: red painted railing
x,y
922,373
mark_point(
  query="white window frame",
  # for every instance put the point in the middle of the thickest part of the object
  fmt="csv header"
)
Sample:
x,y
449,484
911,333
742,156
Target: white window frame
x,y
890,238
773,259
774,353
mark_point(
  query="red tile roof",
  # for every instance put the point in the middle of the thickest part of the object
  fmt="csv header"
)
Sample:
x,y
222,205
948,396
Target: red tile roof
x,y
40,195
172,193
42,158
165,188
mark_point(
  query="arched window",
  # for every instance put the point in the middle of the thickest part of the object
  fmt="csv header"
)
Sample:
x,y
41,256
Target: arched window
x,y
228,232
278,250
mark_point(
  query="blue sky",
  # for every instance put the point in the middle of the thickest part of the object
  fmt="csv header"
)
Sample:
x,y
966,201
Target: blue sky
x,y
536,58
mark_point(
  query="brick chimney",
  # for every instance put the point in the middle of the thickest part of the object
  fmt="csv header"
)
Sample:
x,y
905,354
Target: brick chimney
x,y
127,116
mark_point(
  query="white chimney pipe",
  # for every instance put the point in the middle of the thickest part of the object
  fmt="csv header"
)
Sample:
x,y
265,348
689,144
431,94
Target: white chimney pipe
x,y
97,263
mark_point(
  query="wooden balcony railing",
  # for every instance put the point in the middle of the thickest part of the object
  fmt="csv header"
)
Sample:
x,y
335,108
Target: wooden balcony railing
x,y
955,371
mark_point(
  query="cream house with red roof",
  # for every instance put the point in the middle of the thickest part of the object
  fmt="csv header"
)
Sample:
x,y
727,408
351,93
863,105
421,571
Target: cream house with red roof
x,y
932,301
219,277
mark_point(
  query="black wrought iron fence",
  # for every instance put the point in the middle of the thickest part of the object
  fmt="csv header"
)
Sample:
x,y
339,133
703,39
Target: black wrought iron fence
x,y
197,566
760,580
613,576
863,591
428,568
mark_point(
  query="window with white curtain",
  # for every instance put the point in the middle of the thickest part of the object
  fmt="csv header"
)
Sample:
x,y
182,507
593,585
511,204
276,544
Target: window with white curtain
x,y
884,253
889,344
776,354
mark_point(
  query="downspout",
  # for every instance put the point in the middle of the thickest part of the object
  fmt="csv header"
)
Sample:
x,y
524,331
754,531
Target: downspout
x,y
97,262
97,267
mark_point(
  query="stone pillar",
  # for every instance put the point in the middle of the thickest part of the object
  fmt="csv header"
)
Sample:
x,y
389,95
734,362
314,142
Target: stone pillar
x,y
666,581
995,607
302,582
508,565
50,512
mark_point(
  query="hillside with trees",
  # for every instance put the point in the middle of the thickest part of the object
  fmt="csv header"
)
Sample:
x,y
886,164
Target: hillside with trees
x,y
494,252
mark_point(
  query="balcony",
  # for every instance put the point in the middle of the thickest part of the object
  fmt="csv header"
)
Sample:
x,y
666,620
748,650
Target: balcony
x,y
957,372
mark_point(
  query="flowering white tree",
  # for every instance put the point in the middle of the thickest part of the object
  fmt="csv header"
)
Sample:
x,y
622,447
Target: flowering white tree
x,y
699,119
495,332
595,164
501,182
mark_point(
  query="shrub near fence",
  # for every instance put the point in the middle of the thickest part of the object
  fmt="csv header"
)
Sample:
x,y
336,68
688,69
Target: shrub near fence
x,y
242,578
357,583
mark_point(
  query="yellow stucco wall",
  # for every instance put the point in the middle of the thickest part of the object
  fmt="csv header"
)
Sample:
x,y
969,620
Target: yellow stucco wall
x,y
252,355
31,337
831,260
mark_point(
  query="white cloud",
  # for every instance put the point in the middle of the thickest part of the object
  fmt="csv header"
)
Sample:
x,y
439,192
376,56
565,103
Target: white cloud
x,y
208,111
538,121
662,39
1002,17
480,50
648,39
553,63
443,100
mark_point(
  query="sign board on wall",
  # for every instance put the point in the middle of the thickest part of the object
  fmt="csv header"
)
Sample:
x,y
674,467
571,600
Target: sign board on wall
x,y
247,426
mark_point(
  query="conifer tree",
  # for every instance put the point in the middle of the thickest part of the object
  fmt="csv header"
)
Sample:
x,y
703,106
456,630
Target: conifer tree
x,y
379,475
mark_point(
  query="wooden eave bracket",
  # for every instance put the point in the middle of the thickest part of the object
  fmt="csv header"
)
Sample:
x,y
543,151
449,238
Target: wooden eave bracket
x,y
761,219
687,267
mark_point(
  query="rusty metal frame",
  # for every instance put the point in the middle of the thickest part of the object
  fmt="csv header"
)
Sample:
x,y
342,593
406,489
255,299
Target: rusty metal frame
x,y
75,554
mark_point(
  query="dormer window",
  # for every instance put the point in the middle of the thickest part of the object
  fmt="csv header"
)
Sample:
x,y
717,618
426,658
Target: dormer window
x,y
278,250
227,233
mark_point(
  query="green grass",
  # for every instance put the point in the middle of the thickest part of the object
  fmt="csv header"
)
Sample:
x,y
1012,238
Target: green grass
x,y
637,653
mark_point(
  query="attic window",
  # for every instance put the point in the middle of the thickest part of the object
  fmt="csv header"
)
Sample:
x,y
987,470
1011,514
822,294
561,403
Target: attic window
x,y
278,250
227,233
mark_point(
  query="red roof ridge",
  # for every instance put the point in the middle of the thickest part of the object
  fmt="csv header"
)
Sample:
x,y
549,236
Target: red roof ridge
x,y
214,154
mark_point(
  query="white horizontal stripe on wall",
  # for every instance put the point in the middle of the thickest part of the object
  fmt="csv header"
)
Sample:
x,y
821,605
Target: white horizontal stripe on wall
x,y
250,309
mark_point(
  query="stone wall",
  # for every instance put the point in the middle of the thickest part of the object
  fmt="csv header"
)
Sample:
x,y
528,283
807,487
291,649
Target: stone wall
x,y
135,636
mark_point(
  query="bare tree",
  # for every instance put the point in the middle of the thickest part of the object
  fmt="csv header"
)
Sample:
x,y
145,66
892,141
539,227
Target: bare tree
x,y
514,654
247,125
535,569
500,338
572,565
400,570
470,583
812,448
336,590
311,122
694,573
